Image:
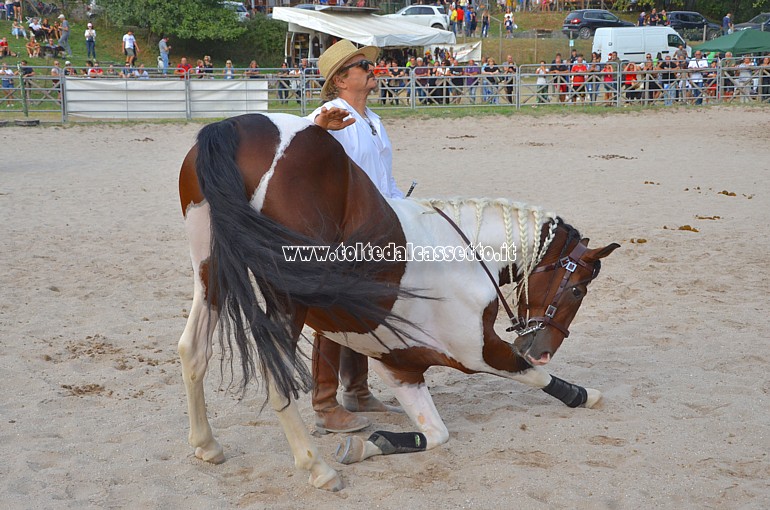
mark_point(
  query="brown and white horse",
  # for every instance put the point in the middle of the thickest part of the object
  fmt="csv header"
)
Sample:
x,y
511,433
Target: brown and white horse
x,y
256,184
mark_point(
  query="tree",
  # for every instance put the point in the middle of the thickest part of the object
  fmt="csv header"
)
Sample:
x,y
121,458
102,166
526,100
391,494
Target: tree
x,y
202,20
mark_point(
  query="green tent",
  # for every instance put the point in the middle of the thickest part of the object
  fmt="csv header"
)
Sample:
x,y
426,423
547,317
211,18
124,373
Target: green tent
x,y
740,43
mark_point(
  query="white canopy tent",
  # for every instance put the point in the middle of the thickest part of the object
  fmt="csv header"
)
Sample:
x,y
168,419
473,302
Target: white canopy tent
x,y
362,28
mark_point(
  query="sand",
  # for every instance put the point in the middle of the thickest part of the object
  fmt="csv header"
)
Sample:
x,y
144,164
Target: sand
x,y
96,283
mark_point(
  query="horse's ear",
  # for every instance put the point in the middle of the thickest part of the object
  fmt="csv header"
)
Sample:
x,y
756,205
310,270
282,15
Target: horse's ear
x,y
600,253
584,241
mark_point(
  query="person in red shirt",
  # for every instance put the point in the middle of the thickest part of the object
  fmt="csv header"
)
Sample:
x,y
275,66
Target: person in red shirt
x,y
381,73
183,69
4,49
579,80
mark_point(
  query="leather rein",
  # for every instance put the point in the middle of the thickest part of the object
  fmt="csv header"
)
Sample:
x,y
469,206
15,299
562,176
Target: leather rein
x,y
521,325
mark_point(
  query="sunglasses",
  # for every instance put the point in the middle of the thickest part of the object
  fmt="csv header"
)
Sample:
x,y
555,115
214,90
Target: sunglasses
x,y
363,64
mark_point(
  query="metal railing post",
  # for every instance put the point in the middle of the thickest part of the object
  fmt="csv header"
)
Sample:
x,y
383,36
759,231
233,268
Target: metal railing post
x,y
187,98
517,84
412,89
63,96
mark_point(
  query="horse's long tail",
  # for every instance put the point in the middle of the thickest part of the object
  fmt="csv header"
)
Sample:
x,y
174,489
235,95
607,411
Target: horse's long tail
x,y
247,252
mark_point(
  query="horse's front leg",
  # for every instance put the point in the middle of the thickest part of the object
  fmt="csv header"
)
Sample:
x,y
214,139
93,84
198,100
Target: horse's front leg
x,y
571,394
195,351
305,453
418,405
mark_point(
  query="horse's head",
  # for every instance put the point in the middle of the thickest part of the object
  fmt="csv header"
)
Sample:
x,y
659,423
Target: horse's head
x,y
556,289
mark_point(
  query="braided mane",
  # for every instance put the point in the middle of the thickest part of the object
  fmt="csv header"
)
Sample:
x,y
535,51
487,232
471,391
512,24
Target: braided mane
x,y
529,220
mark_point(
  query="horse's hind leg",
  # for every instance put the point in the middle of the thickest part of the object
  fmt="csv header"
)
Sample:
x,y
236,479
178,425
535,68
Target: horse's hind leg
x,y
418,405
305,453
195,344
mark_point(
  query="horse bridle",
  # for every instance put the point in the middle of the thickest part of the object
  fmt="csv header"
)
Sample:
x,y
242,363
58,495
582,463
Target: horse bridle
x,y
521,325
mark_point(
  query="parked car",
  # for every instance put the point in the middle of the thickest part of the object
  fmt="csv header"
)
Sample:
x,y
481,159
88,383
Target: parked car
x,y
758,22
682,21
583,23
239,8
428,15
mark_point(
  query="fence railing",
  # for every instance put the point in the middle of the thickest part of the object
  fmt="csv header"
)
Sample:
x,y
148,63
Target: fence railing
x,y
224,93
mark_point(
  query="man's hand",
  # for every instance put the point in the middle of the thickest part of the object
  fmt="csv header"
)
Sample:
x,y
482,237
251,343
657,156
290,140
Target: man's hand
x,y
333,119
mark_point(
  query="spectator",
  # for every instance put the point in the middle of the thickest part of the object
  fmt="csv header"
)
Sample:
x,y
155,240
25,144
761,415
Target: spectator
x,y
130,48
141,73
68,70
380,73
200,71
764,82
491,74
33,47
51,49
6,76
631,82
421,74
18,30
47,28
560,81
229,71
508,22
542,83
727,24
56,73
472,72
485,24
127,71
594,79
26,74
283,83
9,10
90,35
695,82
111,72
579,68
396,81
36,29
164,49
252,72
17,10
5,50
745,75
668,80
183,69
64,39
642,19
651,79
453,19
654,17
208,67
610,83
663,17
509,71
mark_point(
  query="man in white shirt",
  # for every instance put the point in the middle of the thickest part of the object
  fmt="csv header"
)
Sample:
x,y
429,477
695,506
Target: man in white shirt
x,y
130,48
349,76
696,76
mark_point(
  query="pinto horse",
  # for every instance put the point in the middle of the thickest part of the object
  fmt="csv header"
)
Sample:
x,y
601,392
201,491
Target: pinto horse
x,y
256,184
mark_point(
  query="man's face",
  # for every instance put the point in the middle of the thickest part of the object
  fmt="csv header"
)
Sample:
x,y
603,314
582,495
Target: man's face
x,y
359,77
184,61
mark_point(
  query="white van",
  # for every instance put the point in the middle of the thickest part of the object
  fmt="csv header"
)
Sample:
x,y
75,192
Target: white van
x,y
633,43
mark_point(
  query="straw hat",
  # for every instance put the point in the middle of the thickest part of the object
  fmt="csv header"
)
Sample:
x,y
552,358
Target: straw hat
x,y
335,57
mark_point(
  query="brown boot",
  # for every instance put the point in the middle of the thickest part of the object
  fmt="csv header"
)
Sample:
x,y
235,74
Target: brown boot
x,y
330,416
354,375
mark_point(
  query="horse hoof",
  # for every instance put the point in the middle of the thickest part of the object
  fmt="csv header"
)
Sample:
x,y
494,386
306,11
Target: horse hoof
x,y
213,455
593,397
351,451
333,484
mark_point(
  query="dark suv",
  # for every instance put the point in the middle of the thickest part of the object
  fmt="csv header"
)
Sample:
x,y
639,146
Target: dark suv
x,y
693,22
584,22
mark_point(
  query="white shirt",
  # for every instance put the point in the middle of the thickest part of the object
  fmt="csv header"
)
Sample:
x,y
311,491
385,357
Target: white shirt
x,y
129,41
701,63
372,152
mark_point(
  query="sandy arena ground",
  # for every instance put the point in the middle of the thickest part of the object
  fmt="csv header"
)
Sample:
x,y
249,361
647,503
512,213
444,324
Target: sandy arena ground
x,y
96,282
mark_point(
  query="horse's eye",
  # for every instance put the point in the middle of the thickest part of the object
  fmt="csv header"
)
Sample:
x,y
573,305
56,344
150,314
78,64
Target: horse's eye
x,y
577,292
